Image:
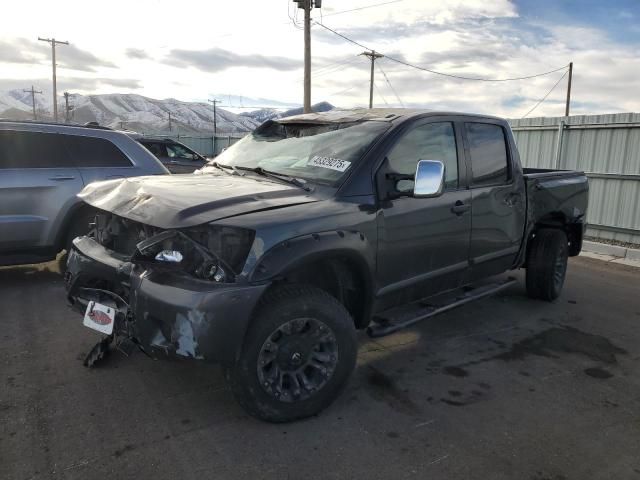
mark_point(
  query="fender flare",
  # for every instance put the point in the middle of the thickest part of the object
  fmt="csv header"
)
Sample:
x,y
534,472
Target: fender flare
x,y
287,255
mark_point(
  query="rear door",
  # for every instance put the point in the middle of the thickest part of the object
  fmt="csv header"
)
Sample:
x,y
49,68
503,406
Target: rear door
x,y
38,184
423,244
99,159
498,211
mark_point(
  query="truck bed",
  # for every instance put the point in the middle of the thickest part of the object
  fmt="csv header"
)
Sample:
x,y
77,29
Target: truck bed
x,y
555,196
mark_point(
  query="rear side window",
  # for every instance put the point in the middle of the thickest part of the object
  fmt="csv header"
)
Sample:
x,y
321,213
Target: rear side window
x,y
33,150
488,150
95,152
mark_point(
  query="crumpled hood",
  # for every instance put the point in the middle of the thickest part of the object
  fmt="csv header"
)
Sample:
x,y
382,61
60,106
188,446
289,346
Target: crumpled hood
x,y
177,201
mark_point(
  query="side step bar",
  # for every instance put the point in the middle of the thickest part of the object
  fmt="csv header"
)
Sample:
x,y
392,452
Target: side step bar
x,y
389,322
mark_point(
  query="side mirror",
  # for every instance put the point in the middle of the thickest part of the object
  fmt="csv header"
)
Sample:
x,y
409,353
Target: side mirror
x,y
429,179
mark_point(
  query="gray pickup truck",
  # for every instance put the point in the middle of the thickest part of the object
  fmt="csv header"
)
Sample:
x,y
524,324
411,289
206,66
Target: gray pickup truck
x,y
270,258
43,166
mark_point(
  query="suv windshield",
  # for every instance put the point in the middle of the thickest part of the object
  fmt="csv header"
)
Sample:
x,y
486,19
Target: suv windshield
x,y
321,153
175,150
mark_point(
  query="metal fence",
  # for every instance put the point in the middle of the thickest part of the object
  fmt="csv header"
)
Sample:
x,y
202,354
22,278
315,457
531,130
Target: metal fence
x,y
207,146
607,149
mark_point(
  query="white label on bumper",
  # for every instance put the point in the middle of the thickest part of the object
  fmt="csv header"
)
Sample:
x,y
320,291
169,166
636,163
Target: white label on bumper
x,y
99,317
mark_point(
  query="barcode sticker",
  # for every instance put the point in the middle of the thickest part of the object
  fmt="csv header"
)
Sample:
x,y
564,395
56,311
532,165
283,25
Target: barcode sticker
x,y
329,162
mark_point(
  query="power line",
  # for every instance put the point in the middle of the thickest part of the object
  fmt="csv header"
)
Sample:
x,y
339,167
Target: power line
x,y
334,67
375,85
345,90
451,75
548,93
362,8
390,86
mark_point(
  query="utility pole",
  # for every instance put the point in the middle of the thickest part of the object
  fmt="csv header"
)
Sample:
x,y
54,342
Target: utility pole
x,y
53,43
566,110
33,100
372,55
215,124
307,5
169,121
67,108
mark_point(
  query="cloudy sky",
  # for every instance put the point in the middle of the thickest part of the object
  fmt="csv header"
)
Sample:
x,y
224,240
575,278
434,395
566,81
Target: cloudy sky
x,y
192,49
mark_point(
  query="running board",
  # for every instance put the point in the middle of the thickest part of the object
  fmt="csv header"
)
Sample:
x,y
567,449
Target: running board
x,y
396,319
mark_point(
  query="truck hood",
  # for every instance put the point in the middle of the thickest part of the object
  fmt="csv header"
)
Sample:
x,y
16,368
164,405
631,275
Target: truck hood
x,y
178,201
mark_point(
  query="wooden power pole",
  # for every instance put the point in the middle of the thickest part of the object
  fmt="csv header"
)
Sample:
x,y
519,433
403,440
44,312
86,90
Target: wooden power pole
x,y
307,5
215,123
566,110
372,55
67,108
53,43
33,100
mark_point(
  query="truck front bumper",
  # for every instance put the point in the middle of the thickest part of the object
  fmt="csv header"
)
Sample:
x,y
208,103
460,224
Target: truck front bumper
x,y
168,313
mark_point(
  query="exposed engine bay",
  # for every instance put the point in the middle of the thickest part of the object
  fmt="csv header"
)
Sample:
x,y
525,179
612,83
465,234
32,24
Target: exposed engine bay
x,y
214,253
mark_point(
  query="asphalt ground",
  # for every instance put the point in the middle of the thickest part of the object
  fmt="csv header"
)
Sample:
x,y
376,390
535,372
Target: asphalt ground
x,y
504,388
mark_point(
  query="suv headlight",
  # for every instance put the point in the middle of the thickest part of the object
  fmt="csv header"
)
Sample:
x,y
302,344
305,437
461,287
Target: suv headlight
x,y
212,252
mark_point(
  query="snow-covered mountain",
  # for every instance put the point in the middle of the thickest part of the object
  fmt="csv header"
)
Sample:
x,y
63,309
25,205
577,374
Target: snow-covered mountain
x,y
130,111
265,114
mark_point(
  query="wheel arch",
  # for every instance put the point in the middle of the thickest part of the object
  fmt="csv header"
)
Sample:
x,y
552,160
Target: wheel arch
x,y
338,262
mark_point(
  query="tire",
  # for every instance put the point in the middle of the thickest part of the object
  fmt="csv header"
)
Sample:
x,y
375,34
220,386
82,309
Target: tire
x,y
547,264
264,379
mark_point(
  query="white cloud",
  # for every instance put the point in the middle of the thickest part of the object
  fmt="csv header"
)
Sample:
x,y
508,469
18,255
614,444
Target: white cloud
x,y
467,37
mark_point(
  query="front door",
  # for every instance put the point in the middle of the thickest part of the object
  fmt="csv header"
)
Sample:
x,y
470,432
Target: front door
x,y
423,243
38,184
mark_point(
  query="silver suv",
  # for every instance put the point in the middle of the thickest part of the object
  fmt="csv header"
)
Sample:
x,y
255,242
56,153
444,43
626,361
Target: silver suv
x,y
42,168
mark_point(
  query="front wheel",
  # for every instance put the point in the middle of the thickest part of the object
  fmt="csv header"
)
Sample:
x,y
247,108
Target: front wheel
x,y
297,356
547,264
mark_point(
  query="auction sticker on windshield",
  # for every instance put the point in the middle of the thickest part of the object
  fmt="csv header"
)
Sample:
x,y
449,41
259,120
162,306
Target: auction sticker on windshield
x,y
99,317
329,162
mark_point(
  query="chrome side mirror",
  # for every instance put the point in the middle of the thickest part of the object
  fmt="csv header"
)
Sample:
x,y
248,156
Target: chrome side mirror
x,y
429,179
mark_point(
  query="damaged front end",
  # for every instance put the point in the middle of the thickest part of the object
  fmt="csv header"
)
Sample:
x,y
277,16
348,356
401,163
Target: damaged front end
x,y
174,292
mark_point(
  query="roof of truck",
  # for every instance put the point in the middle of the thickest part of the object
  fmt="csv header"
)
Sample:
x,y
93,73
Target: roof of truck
x,y
373,114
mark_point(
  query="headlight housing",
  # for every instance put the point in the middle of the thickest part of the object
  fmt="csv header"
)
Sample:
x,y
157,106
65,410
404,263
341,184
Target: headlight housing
x,y
213,252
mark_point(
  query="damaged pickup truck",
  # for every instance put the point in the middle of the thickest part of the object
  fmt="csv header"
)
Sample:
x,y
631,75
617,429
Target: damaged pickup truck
x,y
269,259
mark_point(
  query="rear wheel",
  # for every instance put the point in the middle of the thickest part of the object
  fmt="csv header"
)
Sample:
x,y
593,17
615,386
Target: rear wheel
x,y
547,264
297,356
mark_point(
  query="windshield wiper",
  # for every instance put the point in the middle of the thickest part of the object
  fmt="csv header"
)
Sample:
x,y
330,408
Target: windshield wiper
x,y
278,176
224,167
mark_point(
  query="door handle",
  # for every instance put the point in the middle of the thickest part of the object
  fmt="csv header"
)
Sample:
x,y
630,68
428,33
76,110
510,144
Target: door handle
x,y
460,207
59,178
511,199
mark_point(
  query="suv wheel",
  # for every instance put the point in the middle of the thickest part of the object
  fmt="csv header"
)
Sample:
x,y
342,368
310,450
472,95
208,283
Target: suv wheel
x,y
547,264
297,356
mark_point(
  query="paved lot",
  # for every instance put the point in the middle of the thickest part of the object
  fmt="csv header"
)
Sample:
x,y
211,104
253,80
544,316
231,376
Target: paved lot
x,y
506,388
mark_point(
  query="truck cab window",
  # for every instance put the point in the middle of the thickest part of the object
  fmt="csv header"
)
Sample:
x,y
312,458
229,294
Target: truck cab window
x,y
488,153
431,141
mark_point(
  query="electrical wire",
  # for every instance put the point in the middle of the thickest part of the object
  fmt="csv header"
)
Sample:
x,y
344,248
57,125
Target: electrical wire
x,y
390,86
461,77
375,87
360,8
548,93
291,17
335,68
